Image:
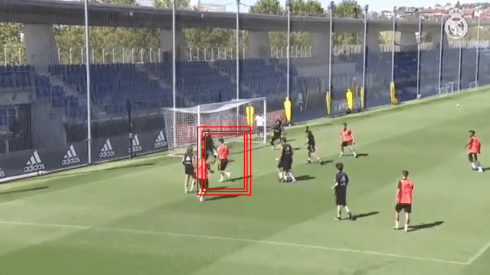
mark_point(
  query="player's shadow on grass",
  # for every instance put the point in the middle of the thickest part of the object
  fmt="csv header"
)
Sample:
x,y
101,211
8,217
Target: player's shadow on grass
x,y
304,178
24,190
364,215
323,162
240,178
424,226
486,169
221,197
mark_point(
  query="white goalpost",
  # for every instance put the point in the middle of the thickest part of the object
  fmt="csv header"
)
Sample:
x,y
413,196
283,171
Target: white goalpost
x,y
243,112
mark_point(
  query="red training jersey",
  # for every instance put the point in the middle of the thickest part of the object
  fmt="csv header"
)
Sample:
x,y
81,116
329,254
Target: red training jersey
x,y
474,146
404,191
202,169
347,135
223,152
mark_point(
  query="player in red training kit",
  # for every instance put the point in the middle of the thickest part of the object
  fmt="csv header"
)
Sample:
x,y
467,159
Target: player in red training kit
x,y
474,148
223,153
347,140
403,199
202,176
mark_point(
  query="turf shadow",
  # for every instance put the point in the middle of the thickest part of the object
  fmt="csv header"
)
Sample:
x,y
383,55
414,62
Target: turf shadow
x,y
240,178
362,155
424,226
221,197
25,190
323,162
486,169
359,216
132,166
304,178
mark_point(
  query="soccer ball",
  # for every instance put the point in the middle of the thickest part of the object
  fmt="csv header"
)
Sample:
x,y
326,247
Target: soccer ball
x,y
457,105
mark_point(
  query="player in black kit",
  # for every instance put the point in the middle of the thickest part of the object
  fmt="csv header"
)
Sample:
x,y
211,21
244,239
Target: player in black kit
x,y
310,140
340,187
278,131
188,162
285,162
208,144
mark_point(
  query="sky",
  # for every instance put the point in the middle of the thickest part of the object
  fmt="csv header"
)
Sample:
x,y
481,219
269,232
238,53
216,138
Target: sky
x,y
374,5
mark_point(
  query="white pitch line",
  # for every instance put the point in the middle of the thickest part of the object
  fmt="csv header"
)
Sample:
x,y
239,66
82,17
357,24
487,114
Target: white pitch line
x,y
148,232
477,255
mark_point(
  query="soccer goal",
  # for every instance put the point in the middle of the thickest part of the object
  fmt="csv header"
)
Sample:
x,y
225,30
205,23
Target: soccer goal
x,y
181,123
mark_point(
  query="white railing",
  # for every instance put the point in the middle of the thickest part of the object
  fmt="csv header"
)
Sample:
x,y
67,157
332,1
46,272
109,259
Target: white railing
x,y
108,56
347,50
213,54
295,52
385,48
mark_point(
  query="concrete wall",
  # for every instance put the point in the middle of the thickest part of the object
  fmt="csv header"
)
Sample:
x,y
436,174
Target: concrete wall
x,y
47,127
167,46
258,45
41,48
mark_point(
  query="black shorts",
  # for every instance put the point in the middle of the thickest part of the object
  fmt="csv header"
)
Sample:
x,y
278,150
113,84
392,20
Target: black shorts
x,y
189,170
473,157
274,138
311,148
286,164
204,182
222,163
341,198
406,207
346,143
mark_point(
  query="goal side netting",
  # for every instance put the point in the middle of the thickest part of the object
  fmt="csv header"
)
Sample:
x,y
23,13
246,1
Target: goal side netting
x,y
181,123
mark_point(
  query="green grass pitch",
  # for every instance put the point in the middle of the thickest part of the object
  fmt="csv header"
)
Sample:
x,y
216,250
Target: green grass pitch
x,y
132,217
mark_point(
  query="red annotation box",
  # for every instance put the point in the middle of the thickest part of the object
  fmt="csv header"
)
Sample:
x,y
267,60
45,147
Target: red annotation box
x,y
228,131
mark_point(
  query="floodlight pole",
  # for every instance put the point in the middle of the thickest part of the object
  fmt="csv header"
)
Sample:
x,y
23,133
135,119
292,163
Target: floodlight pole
x,y
393,48
364,54
459,64
288,4
174,79
440,53
237,62
477,49
87,65
418,56
331,7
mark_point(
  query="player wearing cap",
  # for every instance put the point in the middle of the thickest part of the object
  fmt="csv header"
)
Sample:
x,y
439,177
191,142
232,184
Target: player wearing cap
x,y
474,148
403,199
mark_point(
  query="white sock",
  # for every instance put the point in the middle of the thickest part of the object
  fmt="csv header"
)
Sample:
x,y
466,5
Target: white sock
x,y
396,224
473,165
406,227
292,177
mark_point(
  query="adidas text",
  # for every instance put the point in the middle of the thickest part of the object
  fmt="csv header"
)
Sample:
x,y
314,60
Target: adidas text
x,y
106,154
34,168
70,161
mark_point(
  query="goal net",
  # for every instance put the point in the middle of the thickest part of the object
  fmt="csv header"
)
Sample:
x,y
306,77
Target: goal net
x,y
181,123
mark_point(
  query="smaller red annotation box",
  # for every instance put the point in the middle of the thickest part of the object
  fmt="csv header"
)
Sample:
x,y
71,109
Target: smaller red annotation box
x,y
246,132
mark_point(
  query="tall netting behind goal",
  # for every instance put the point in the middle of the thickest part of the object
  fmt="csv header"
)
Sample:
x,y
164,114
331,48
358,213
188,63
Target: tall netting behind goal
x,y
181,123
